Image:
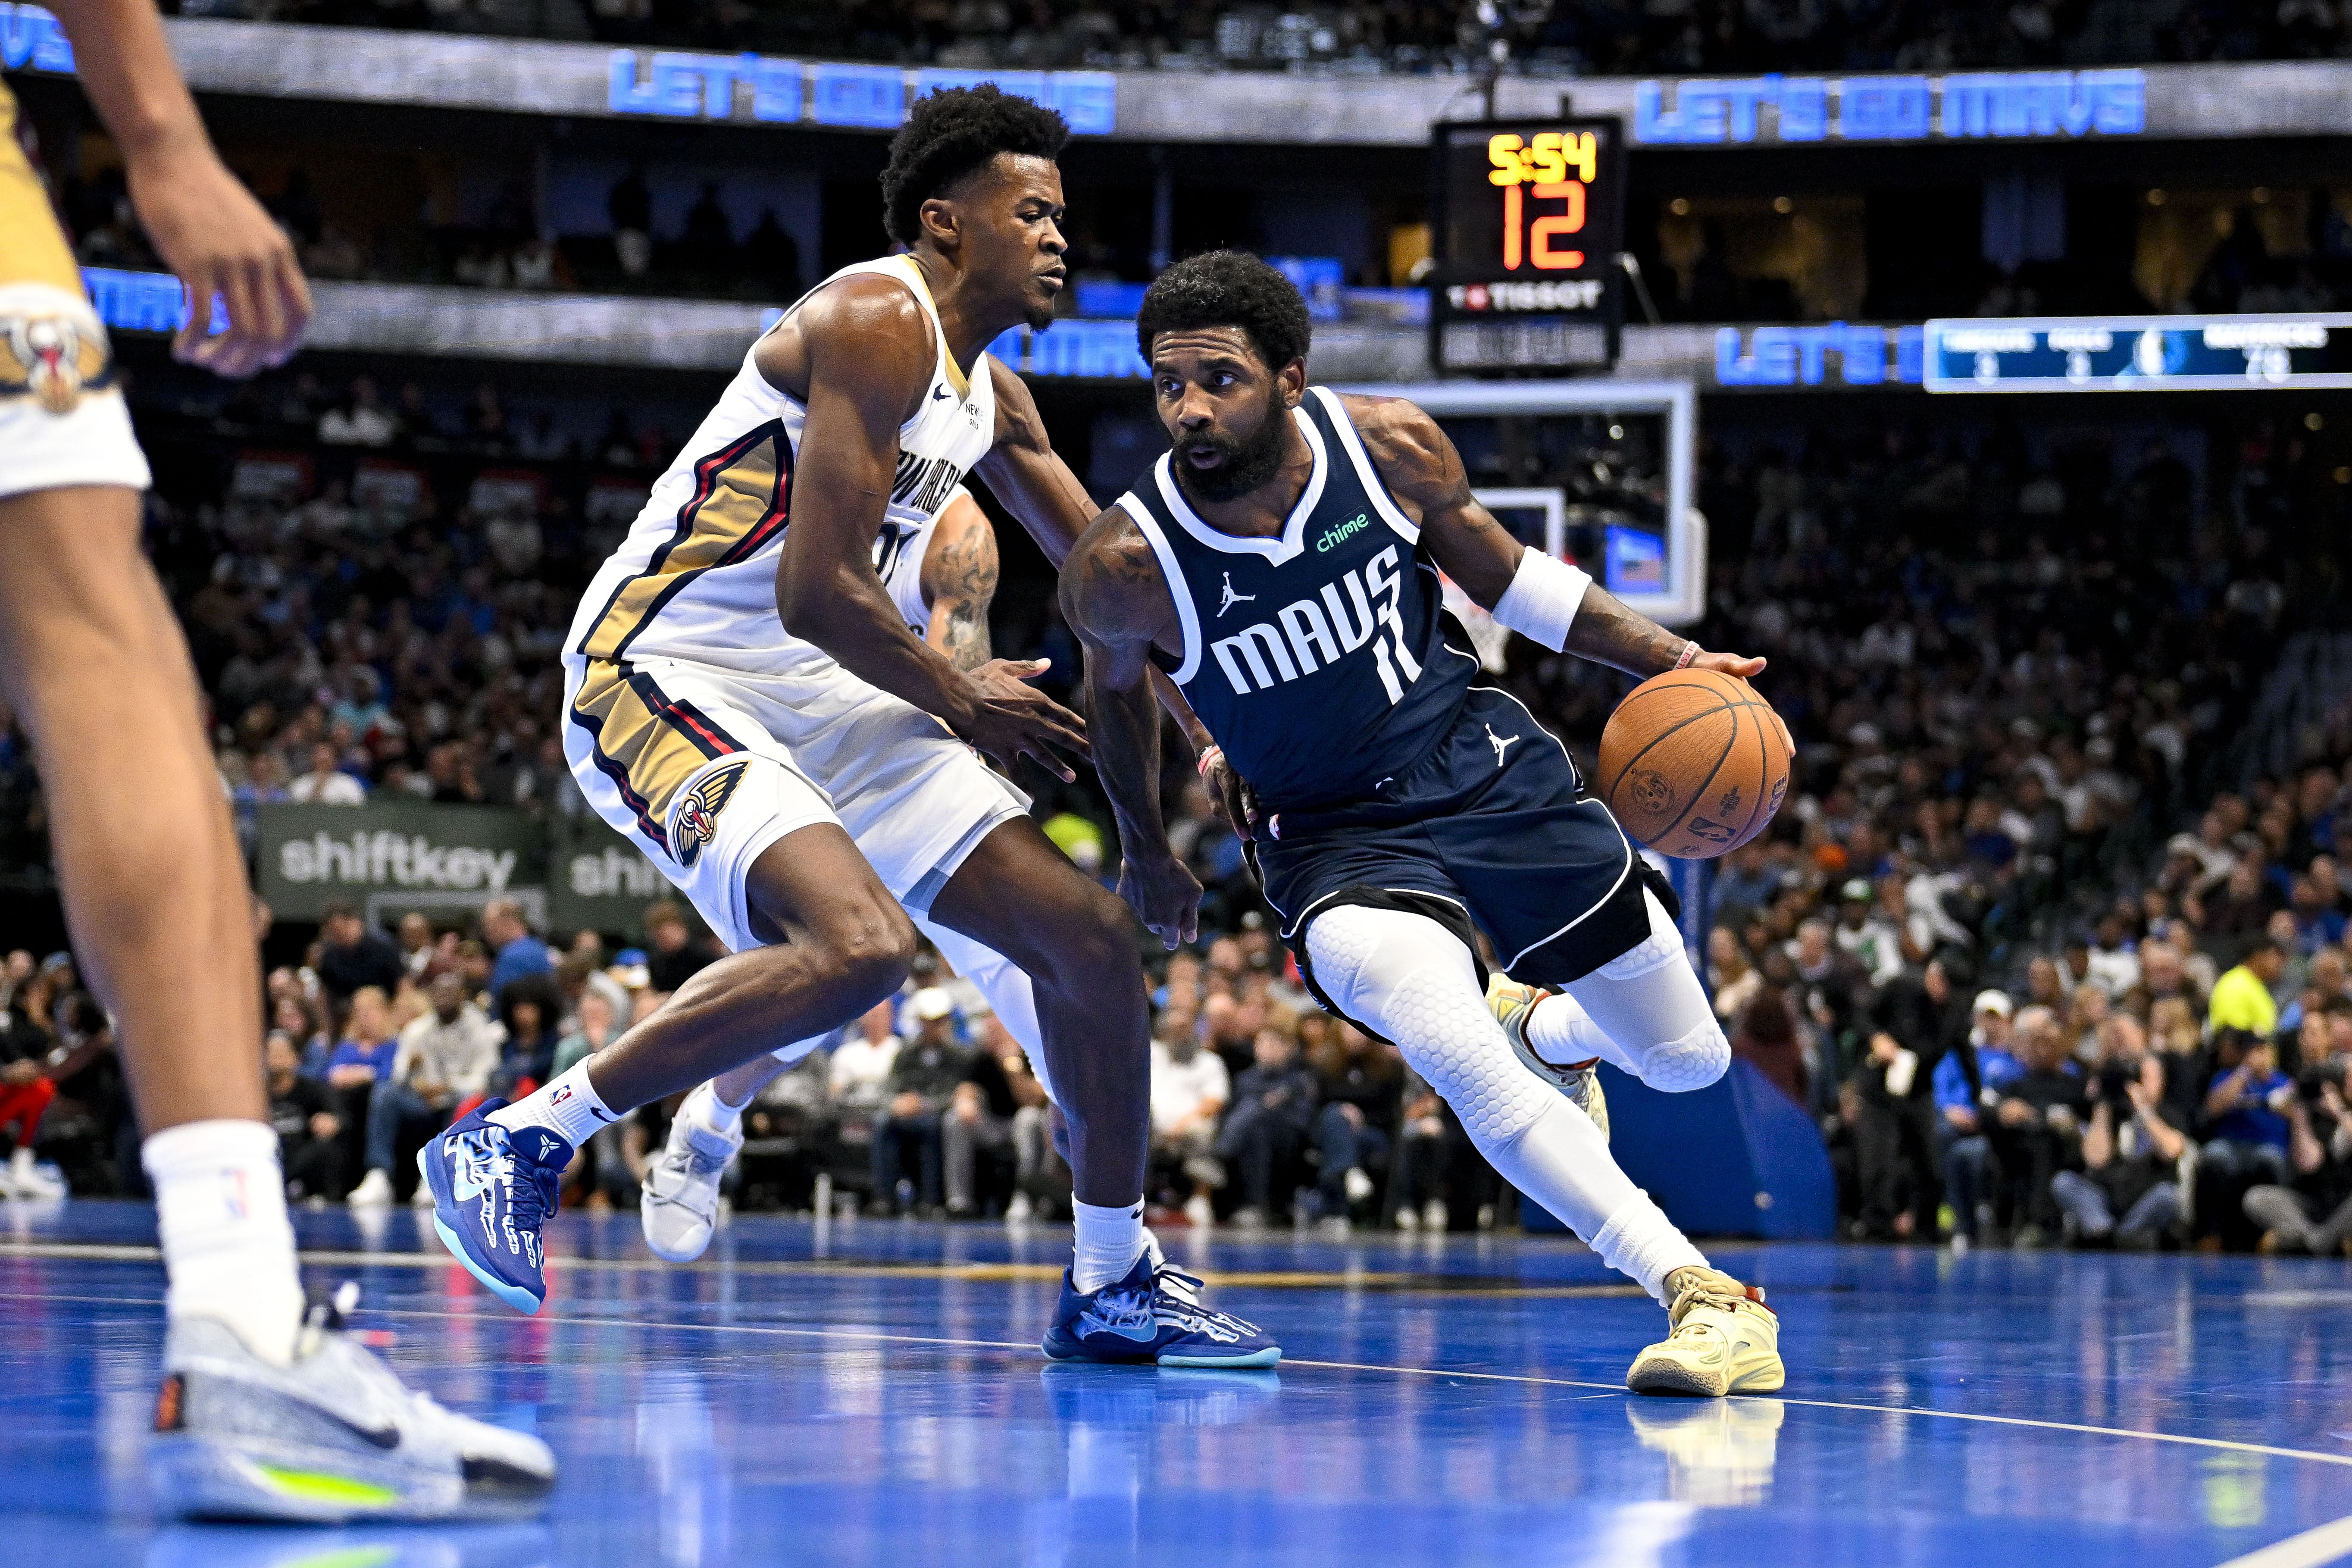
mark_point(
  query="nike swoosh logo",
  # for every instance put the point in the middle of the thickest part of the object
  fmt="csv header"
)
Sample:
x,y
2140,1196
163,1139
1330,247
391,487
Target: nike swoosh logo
x,y
939,393
386,1437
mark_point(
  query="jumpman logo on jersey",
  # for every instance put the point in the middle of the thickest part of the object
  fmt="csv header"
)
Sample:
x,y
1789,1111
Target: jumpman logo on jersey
x,y
1232,598
1500,742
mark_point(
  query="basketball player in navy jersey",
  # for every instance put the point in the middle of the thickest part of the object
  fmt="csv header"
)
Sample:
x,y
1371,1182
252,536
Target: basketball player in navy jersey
x,y
744,697
1281,564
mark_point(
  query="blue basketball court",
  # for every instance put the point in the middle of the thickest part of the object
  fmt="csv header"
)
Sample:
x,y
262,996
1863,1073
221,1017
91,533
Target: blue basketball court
x,y
871,1392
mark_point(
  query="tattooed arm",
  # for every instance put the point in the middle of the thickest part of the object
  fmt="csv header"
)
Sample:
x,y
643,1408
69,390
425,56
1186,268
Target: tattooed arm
x,y
1116,599
958,581
1426,474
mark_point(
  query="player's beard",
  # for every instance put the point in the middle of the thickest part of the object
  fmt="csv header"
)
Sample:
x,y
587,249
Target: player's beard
x,y
1247,464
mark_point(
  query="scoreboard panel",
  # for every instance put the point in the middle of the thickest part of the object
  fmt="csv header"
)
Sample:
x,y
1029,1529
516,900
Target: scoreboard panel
x,y
1530,216
2139,354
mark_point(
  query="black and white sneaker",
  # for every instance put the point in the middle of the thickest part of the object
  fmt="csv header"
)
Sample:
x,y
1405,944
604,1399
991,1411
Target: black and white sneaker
x,y
332,1437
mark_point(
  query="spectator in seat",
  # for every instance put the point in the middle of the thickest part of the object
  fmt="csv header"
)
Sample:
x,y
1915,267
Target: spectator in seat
x,y
25,1091
361,1056
1914,1022
527,1041
2128,1188
309,1138
2246,1128
2038,1122
630,205
1358,1081
1190,1087
972,1125
922,1085
859,1076
1765,1035
352,956
519,954
1959,1128
443,1057
672,955
2242,998
1273,1107
979,1119
325,783
591,1031
2314,1213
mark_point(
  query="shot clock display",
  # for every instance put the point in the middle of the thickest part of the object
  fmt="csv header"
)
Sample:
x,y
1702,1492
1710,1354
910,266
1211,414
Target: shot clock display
x,y
1530,217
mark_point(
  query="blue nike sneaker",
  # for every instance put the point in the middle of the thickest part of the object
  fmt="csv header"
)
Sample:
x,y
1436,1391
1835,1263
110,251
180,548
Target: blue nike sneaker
x,y
1154,1314
492,1191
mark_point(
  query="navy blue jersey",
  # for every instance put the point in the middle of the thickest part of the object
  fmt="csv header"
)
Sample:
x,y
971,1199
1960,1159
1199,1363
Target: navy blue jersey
x,y
1318,659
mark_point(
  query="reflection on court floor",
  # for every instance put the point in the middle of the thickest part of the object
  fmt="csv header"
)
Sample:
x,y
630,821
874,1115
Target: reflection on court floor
x,y
870,1393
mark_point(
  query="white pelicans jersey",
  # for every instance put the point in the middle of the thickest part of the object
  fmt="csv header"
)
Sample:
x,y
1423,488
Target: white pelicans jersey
x,y
696,579
899,561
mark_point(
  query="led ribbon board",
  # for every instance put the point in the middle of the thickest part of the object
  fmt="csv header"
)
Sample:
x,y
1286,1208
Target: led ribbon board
x,y
2139,354
1530,217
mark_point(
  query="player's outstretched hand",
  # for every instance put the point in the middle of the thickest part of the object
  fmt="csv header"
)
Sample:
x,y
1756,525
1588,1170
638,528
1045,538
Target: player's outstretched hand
x,y
1739,666
1009,719
1165,896
211,232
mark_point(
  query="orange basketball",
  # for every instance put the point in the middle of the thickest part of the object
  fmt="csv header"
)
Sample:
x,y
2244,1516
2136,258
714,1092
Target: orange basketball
x,y
1693,763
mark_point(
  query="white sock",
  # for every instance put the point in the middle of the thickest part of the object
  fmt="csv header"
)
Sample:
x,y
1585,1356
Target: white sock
x,y
220,1213
714,1112
569,1107
1110,1238
1641,1243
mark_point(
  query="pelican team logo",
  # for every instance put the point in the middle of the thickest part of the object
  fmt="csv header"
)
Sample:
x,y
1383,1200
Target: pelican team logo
x,y
694,821
50,354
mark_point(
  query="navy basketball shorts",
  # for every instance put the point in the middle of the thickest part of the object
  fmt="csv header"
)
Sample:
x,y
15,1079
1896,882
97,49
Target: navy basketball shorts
x,y
1493,830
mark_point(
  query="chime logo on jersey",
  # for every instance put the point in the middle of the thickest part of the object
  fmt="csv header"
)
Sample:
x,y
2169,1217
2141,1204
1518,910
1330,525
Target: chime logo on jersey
x,y
694,821
1356,609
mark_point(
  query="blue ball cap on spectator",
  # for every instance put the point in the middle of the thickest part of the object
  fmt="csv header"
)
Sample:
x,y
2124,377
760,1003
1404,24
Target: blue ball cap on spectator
x,y
629,958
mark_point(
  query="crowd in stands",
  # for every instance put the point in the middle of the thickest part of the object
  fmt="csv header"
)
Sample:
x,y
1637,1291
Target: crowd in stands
x,y
1542,36
2013,672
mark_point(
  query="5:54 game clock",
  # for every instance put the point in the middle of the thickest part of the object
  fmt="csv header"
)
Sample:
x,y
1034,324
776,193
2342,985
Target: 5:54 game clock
x,y
1530,216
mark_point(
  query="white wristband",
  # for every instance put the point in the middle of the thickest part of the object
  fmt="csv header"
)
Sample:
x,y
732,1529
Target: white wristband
x,y
1543,597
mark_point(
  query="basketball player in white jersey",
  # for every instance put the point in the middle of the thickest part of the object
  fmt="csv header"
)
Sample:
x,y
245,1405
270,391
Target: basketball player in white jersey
x,y
743,696
941,574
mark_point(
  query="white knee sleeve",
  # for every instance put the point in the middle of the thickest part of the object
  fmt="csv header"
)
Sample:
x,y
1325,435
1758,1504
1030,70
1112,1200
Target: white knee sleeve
x,y
1644,1011
1010,993
1414,980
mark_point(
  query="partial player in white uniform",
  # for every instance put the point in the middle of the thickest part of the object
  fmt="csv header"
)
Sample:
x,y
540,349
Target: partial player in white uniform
x,y
267,1409
744,698
941,574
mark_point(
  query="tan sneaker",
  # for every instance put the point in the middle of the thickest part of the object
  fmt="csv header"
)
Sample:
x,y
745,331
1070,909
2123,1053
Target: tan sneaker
x,y
1513,1005
1724,1340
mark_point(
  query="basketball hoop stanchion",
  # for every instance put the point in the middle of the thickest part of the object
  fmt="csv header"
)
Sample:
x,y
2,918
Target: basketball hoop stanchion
x,y
1692,881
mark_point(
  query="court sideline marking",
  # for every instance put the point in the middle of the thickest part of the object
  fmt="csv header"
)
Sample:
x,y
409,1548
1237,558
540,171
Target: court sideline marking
x,y
1524,1379
974,1273
2321,1543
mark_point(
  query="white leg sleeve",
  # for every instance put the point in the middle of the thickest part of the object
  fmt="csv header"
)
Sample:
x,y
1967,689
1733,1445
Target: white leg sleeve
x,y
1007,987
1644,1011
1414,980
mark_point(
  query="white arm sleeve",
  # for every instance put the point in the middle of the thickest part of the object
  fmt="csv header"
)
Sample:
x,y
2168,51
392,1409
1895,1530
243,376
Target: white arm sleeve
x,y
1543,597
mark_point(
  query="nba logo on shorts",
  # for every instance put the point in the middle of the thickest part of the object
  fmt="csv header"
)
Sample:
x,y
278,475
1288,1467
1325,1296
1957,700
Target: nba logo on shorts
x,y
694,821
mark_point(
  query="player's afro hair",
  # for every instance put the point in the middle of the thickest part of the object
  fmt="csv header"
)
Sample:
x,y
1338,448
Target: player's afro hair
x,y
1228,289
951,133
